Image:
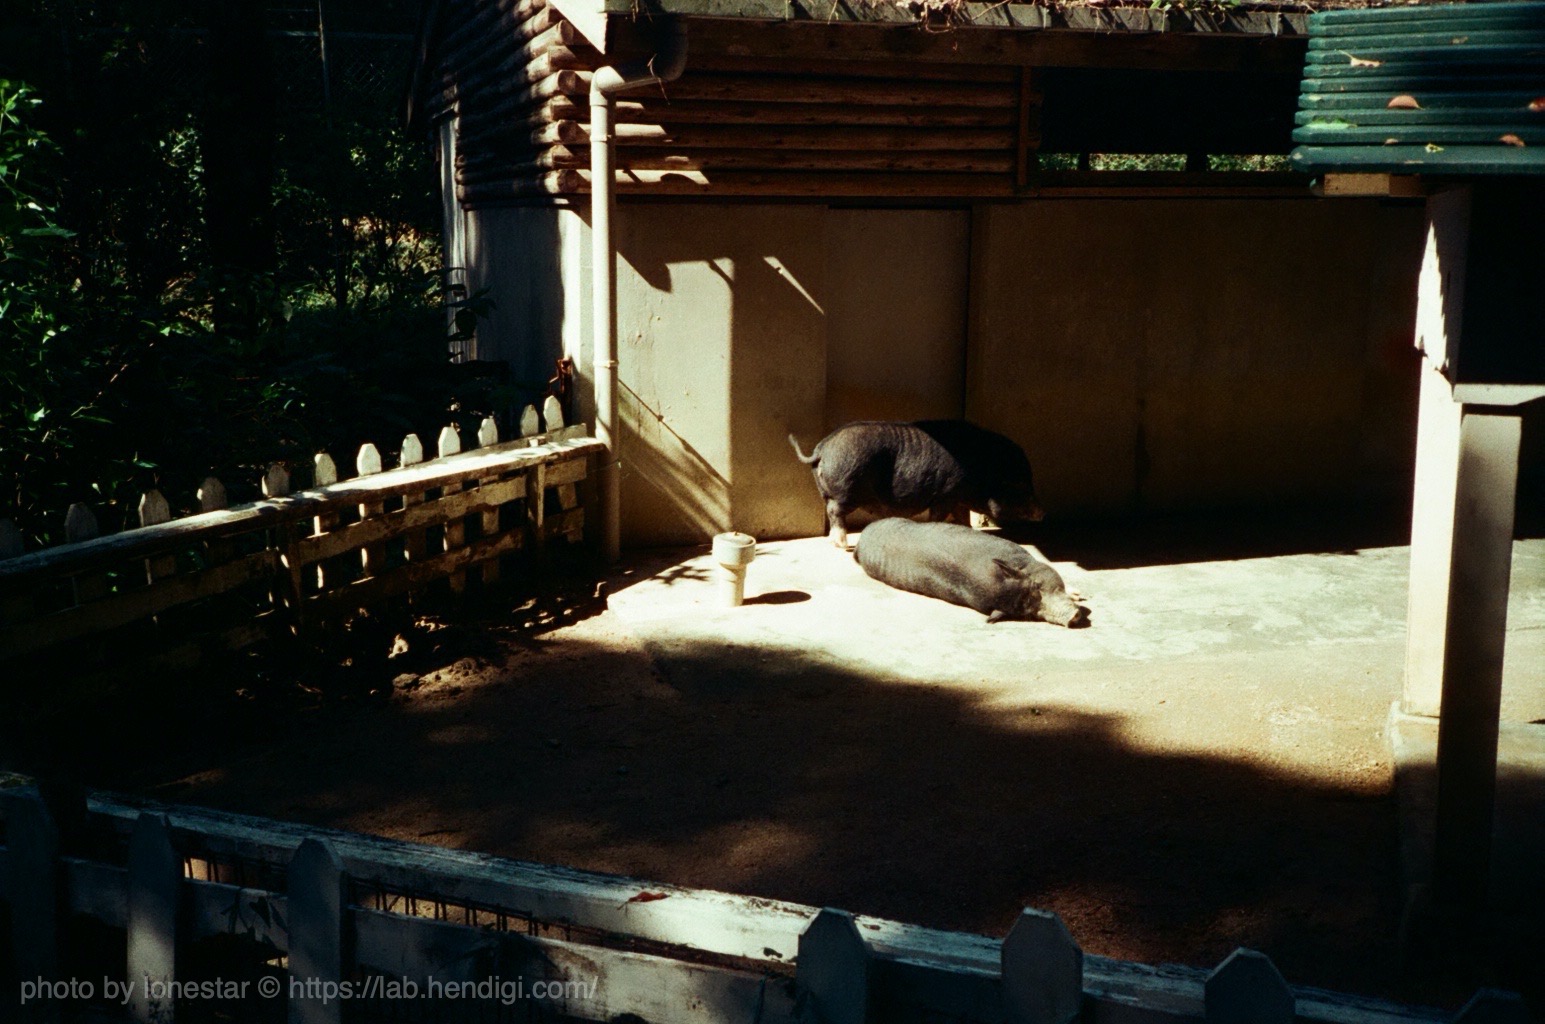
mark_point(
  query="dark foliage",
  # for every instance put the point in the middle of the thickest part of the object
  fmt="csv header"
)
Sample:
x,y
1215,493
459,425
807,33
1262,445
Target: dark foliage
x,y
212,254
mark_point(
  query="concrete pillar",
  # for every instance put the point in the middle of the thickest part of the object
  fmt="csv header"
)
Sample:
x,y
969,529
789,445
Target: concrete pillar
x,y
1432,542
1477,325
1480,571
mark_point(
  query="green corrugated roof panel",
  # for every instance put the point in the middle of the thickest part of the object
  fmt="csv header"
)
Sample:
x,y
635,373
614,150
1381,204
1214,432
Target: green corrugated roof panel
x,y
1456,90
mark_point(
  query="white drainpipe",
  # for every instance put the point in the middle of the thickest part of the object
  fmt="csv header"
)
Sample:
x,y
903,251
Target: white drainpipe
x,y
665,66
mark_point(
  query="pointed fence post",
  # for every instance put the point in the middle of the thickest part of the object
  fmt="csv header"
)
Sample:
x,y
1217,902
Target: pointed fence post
x,y
10,539
212,498
32,846
413,544
372,556
155,876
17,607
552,414
487,436
318,904
324,473
1494,1006
153,509
832,972
1043,971
530,425
276,484
80,525
211,495
536,508
1247,988
455,527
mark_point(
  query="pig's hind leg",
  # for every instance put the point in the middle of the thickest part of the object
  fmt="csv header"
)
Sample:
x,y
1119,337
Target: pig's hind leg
x,y
837,522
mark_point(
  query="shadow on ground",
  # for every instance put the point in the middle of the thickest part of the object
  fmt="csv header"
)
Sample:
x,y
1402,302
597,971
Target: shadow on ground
x,y
530,726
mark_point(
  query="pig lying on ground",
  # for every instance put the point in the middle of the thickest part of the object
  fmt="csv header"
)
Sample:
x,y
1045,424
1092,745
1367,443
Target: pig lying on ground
x,y
964,566
933,466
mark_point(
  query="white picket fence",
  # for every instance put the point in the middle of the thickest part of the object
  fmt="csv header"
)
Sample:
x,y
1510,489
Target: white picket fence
x,y
345,908
294,562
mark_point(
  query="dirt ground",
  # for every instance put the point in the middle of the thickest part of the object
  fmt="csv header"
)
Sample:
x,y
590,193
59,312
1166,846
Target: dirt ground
x,y
1175,781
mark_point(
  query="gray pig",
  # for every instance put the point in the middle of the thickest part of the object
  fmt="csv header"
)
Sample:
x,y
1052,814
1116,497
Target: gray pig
x,y
967,567
933,466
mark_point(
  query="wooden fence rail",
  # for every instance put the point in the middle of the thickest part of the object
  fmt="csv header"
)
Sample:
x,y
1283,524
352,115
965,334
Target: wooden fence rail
x,y
392,918
296,561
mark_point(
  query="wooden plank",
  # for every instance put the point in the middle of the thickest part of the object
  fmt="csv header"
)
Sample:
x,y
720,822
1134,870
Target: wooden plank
x,y
318,904
952,969
153,509
10,540
19,607
835,66
1043,971
413,544
32,870
836,136
1027,140
639,165
122,609
810,183
649,110
536,507
372,557
899,92
1097,48
324,473
506,457
406,521
455,532
449,563
833,971
488,435
154,877
1247,988
581,982
80,527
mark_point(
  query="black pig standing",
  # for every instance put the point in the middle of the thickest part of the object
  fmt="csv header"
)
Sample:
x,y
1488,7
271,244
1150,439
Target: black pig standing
x,y
933,466
967,567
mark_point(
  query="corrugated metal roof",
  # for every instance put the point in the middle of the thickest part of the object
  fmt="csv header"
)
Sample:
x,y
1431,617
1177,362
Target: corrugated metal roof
x,y
1450,90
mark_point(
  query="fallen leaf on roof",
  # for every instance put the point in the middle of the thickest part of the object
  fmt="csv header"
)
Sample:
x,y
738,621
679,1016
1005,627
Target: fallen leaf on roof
x,y
1360,62
1537,104
646,897
1403,102
1512,140
1433,147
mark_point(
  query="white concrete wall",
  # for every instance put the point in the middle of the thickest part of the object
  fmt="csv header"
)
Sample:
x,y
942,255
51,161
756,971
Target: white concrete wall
x,y
1149,354
722,353
1160,355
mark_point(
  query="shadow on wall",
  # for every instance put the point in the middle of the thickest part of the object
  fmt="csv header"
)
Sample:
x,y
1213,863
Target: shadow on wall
x,y
672,482
723,347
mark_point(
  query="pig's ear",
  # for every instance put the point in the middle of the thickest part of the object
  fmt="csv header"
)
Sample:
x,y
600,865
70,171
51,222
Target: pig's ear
x,y
1008,571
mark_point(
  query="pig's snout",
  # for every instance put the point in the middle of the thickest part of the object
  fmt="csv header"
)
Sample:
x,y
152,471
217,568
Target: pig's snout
x,y
1065,613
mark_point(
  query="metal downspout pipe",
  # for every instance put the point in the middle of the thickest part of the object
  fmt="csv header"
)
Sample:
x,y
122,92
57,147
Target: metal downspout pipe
x,y
665,66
